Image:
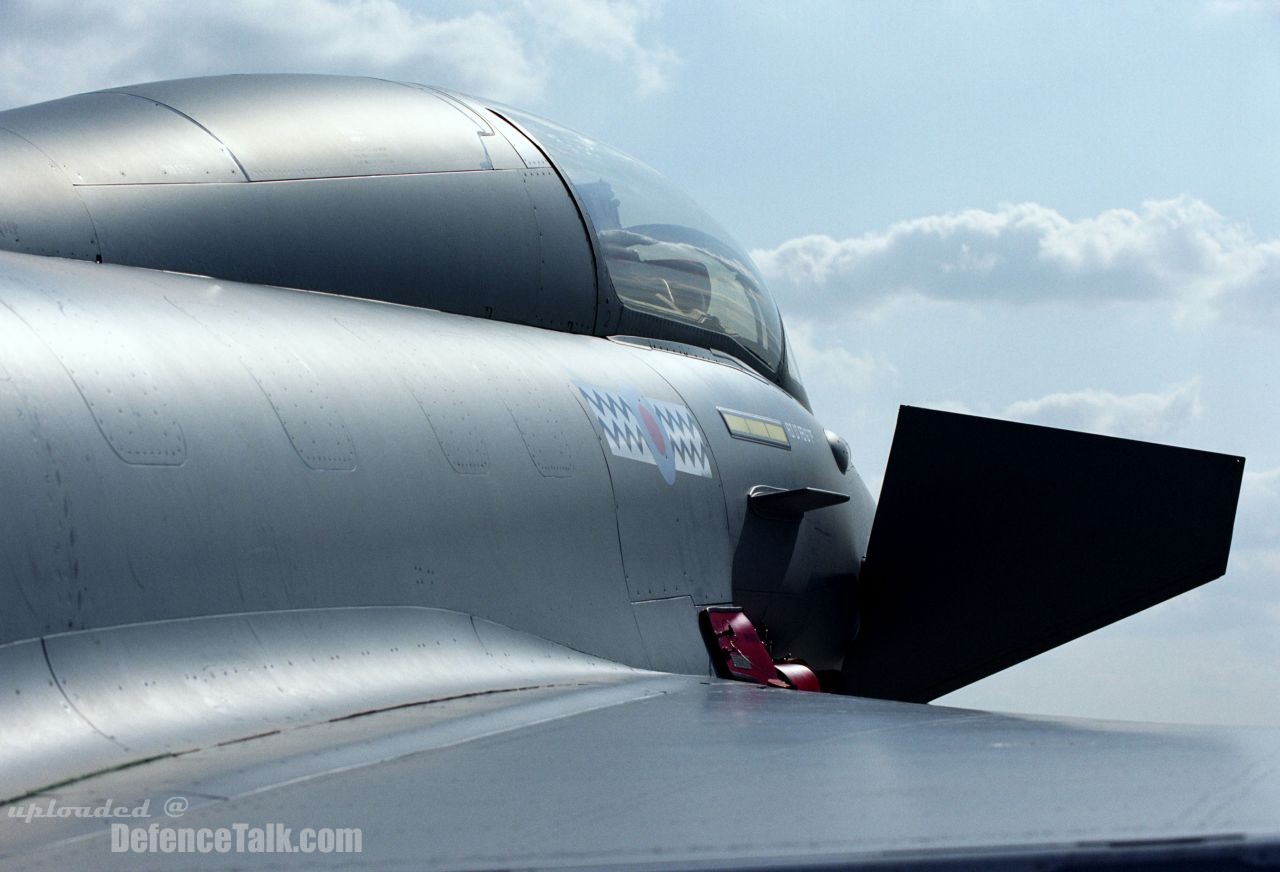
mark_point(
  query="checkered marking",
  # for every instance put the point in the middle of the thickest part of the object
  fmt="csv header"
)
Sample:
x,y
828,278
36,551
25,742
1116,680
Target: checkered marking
x,y
624,430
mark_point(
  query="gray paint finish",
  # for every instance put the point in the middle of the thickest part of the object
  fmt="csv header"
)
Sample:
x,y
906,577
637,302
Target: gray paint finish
x,y
119,139
350,185
246,522
43,739
795,577
99,699
674,771
461,242
41,213
669,628
352,126
332,464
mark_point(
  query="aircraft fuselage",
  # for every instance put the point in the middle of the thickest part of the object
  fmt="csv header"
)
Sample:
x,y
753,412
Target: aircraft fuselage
x,y
178,446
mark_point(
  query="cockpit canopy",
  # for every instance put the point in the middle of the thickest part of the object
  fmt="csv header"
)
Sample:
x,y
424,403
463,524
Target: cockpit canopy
x,y
665,255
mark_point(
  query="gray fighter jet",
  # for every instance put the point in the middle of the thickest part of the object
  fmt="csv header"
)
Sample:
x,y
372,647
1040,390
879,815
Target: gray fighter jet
x,y
391,478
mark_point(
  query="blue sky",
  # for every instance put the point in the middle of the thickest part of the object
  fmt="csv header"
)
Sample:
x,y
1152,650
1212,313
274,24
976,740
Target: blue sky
x,y
1058,213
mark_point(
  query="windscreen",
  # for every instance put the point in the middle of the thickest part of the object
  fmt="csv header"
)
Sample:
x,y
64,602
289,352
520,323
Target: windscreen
x,y
665,256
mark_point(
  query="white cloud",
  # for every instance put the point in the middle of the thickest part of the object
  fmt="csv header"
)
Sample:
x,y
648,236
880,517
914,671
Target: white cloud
x,y
1265,484
1179,250
832,366
1137,416
51,48
1134,416
611,28
1256,545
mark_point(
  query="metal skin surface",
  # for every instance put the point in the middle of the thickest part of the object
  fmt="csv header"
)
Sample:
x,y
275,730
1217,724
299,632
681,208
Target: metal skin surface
x,y
355,186
435,570
170,454
675,772
96,700
196,460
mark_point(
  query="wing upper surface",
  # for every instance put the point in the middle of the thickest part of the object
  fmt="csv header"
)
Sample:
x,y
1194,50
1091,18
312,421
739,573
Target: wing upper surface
x,y
645,769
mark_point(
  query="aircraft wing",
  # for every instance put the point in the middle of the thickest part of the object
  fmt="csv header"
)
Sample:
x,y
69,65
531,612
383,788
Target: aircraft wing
x,y
523,754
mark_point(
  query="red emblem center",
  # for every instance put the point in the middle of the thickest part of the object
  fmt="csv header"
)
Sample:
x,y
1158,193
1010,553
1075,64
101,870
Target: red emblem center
x,y
654,428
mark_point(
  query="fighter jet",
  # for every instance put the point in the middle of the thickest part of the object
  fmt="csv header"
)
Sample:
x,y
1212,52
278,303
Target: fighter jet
x,y
394,478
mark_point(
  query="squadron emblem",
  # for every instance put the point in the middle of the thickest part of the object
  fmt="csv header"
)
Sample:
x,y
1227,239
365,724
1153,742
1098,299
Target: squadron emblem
x,y
650,431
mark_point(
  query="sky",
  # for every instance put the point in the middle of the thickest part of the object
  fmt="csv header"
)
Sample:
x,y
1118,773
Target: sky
x,y
1056,213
